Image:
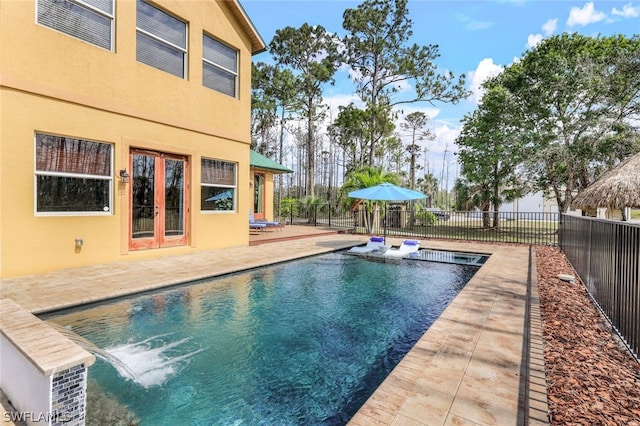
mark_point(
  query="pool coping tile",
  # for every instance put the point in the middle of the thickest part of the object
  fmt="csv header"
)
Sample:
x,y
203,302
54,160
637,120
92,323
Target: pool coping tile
x,y
485,324
463,371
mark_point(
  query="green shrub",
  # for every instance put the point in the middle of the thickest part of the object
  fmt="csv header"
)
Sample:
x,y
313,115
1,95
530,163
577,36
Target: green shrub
x,y
426,218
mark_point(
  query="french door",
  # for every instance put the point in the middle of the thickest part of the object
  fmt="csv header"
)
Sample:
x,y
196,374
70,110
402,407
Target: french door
x,y
159,209
258,195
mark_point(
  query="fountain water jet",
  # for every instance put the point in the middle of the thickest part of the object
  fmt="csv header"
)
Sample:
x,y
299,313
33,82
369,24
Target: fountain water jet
x,y
150,362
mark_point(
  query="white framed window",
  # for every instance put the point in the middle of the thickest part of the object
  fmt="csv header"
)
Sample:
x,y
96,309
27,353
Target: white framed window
x,y
219,66
88,20
72,176
161,39
218,183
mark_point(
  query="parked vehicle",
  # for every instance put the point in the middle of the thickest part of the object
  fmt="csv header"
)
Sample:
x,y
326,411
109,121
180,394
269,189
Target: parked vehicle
x,y
441,215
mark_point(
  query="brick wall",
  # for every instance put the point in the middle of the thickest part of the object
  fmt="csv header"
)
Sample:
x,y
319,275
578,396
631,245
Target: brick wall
x,y
69,396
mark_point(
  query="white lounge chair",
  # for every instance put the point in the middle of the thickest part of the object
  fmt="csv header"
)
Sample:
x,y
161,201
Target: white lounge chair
x,y
373,244
407,247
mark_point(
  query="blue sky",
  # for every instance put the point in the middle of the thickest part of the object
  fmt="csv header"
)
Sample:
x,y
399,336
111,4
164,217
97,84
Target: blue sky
x,y
475,38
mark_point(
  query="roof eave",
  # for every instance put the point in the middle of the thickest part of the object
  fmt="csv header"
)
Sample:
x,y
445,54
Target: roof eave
x,y
275,171
257,43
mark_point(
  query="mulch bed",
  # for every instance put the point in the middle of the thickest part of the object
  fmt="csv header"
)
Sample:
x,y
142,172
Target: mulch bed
x,y
591,378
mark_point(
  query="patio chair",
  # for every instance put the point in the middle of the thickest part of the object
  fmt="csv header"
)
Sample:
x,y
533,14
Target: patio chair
x,y
373,244
256,226
406,248
266,223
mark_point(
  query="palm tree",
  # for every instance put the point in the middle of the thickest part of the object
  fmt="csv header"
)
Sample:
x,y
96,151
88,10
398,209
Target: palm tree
x,y
429,185
309,205
471,195
365,177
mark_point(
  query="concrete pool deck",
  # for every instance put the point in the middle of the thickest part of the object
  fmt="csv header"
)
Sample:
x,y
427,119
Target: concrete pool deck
x,y
465,370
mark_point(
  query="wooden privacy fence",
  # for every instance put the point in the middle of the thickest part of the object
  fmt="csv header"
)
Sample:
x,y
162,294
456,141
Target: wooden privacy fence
x,y
606,256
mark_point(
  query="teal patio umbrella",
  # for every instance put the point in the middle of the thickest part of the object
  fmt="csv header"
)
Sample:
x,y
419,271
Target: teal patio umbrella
x,y
386,192
221,196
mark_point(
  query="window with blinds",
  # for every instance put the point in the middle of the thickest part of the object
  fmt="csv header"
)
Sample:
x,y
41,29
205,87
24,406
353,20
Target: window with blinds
x,y
72,175
161,40
219,66
88,20
218,185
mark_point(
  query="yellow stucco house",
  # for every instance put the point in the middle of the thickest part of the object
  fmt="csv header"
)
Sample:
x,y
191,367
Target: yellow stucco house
x,y
124,128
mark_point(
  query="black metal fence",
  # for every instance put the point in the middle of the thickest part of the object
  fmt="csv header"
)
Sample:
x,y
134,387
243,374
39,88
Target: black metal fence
x,y
606,256
512,227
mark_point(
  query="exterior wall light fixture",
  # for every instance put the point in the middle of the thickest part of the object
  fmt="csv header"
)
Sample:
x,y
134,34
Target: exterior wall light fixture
x,y
124,176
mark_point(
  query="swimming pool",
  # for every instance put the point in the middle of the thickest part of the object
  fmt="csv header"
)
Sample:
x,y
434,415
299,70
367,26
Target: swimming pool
x,y
304,342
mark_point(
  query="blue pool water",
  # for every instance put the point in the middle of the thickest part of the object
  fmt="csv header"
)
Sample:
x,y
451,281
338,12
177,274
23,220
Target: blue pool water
x,y
305,342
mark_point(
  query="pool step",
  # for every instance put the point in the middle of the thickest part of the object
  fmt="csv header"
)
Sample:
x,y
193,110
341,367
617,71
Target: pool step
x,y
450,257
430,255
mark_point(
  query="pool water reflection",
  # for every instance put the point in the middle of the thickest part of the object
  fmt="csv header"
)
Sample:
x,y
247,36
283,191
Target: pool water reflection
x,y
305,342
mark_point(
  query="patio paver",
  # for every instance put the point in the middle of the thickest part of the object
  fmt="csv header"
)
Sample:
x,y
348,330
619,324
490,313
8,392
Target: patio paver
x,y
464,370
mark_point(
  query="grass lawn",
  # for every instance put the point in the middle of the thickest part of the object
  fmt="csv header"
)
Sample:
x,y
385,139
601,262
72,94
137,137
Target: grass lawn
x,y
470,228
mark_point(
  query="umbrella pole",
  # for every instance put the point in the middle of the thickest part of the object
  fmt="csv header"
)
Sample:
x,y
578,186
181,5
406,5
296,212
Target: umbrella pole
x,y
385,224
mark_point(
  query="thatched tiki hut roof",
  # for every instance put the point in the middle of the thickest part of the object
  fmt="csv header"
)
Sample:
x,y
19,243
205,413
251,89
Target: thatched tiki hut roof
x,y
616,189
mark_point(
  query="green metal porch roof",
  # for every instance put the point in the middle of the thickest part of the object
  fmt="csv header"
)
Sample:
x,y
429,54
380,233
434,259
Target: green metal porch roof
x,y
259,161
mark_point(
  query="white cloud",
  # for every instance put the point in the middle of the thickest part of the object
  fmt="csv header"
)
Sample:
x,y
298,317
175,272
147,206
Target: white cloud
x,y
335,102
441,159
533,40
354,74
485,70
404,86
478,25
550,27
628,11
445,138
429,111
472,24
585,16
342,99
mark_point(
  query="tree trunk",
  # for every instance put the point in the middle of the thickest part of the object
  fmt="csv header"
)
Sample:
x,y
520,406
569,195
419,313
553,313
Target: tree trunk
x,y
373,121
486,218
372,143
496,204
311,169
558,194
280,157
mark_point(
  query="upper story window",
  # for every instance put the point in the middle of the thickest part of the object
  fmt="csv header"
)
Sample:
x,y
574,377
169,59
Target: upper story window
x,y
73,176
218,185
219,66
88,20
161,40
